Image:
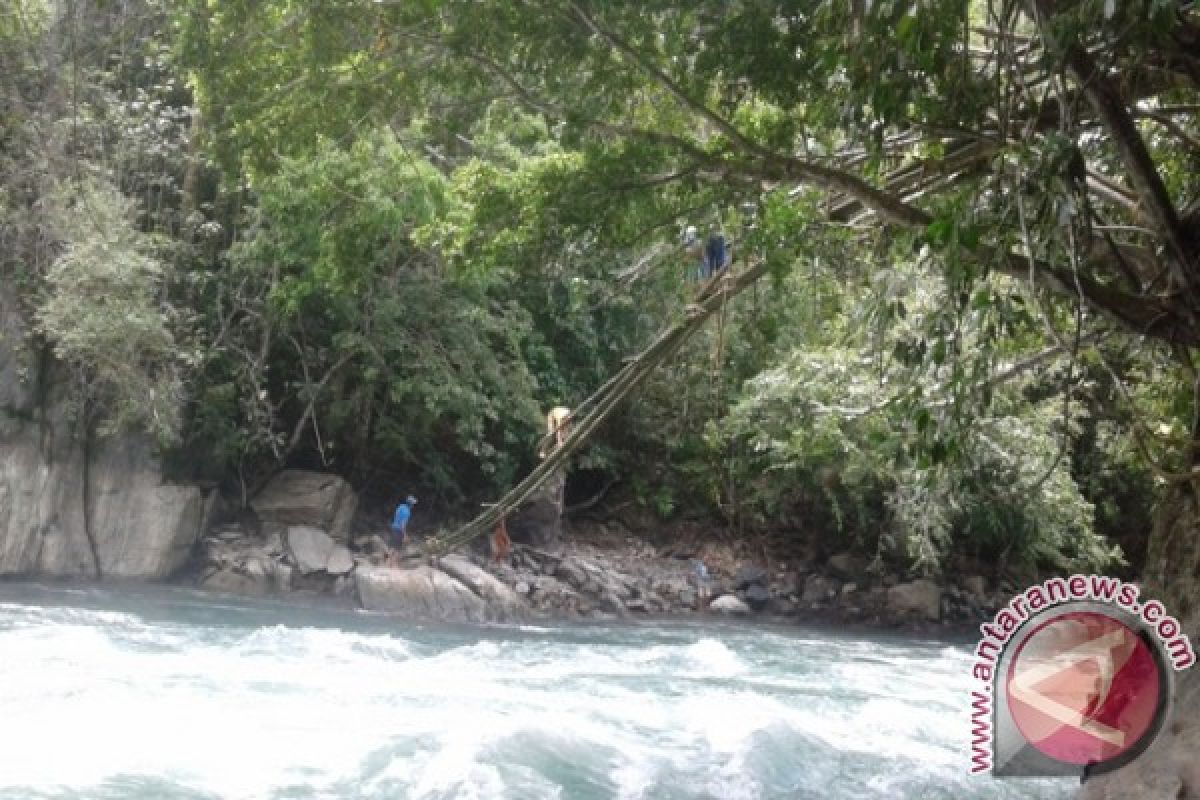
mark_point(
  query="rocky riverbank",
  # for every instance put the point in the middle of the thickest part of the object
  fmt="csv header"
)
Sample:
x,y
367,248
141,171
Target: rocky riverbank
x,y
300,539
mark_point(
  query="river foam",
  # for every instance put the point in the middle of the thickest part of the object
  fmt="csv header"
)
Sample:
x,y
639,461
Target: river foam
x,y
163,694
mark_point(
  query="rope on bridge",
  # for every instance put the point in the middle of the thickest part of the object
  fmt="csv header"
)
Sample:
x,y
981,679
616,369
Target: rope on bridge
x,y
593,411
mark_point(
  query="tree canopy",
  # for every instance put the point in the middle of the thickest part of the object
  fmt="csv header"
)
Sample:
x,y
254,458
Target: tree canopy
x,y
397,229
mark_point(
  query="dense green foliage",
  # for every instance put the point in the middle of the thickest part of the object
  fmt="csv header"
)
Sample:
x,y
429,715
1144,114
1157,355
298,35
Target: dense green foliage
x,y
380,237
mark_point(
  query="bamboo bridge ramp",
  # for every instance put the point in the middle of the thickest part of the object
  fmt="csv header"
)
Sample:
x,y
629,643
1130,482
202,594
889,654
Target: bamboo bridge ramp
x,y
589,415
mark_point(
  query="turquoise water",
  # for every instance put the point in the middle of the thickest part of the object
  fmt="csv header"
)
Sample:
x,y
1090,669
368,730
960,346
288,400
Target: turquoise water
x,y
167,693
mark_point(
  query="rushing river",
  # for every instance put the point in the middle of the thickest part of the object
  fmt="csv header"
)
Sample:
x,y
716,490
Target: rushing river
x,y
165,693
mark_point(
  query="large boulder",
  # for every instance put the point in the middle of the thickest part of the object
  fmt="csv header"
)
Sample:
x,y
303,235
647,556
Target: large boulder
x,y
503,603
314,499
921,598
419,593
313,550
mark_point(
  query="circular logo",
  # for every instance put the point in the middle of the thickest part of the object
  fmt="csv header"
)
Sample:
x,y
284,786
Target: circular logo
x,y
1085,689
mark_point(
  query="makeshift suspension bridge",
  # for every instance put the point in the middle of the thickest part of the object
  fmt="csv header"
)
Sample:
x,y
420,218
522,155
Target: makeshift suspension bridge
x,y
589,415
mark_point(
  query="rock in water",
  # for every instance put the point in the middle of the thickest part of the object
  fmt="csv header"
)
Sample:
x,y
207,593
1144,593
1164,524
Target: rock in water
x,y
728,604
314,499
921,597
313,550
504,605
230,582
757,597
420,593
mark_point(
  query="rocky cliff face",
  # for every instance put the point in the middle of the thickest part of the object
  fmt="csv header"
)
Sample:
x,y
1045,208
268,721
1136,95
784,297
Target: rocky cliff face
x,y
73,505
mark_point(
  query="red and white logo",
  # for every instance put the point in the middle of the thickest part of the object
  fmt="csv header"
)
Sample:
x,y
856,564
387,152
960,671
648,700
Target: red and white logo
x,y
1084,689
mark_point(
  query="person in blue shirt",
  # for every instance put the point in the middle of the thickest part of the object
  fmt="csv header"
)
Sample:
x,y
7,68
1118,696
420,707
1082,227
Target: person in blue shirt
x,y
400,526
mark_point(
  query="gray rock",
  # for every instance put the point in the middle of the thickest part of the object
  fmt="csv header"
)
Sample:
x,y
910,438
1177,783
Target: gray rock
x,y
503,603
101,511
309,548
670,586
522,587
257,568
372,544
781,606
921,597
609,601
313,550
274,544
229,582
756,597
571,572
594,580
76,508
819,589
420,593
340,561
749,575
729,604
313,499
791,584
550,594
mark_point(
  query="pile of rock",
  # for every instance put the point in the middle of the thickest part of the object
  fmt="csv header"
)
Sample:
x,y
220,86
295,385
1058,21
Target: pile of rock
x,y
302,557
562,584
298,542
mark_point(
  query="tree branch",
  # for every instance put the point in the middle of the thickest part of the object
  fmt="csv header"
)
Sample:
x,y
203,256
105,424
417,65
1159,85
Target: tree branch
x,y
1105,99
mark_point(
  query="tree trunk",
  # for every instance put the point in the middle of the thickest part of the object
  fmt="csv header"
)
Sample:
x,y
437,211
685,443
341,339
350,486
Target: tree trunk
x,y
1172,571
1169,769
